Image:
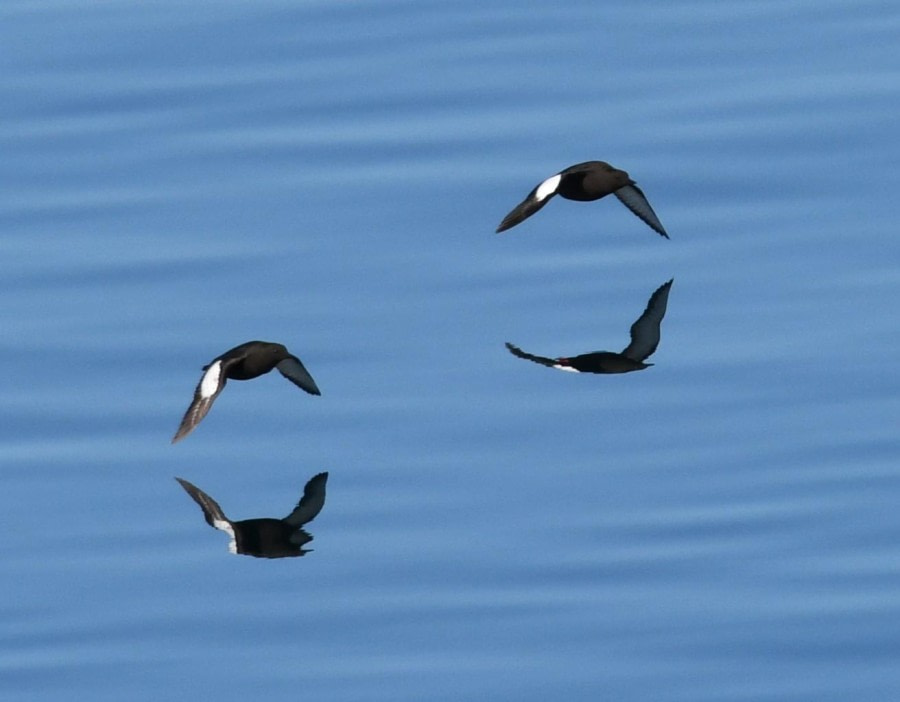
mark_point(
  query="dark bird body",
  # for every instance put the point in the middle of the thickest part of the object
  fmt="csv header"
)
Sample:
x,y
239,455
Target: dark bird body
x,y
265,537
584,182
645,334
244,362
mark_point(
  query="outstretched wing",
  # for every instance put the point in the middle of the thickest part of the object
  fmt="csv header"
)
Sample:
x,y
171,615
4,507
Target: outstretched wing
x,y
519,353
635,200
292,369
311,503
521,212
208,389
213,514
536,199
645,331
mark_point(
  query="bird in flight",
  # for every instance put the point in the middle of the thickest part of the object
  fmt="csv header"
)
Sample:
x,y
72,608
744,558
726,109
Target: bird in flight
x,y
644,340
244,362
265,537
586,181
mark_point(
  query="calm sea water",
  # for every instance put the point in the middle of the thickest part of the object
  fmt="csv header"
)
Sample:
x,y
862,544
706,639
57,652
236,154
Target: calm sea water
x,y
180,178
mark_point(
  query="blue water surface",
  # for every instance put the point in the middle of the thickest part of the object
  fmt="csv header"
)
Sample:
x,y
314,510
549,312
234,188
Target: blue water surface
x,y
180,178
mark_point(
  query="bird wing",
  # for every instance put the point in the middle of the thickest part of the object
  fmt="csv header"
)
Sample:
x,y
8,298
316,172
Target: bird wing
x,y
635,200
519,353
213,514
292,369
645,331
311,503
536,199
521,212
208,389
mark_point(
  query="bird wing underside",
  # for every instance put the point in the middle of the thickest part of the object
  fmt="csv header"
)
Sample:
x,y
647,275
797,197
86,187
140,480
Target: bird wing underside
x,y
211,510
198,409
292,369
635,200
212,382
523,211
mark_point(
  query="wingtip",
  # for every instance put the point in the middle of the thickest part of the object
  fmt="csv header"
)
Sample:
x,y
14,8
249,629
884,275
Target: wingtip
x,y
292,369
311,388
522,211
503,226
634,199
180,434
318,477
657,226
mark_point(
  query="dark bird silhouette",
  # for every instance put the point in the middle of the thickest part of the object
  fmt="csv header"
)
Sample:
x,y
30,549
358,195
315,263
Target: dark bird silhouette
x,y
266,537
244,362
586,181
644,340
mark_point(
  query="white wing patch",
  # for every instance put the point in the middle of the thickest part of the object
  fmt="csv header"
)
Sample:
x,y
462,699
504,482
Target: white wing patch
x,y
567,368
224,526
547,188
209,384
228,529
